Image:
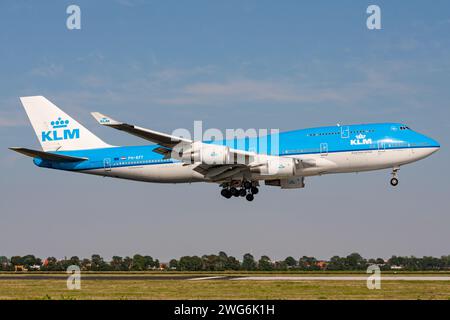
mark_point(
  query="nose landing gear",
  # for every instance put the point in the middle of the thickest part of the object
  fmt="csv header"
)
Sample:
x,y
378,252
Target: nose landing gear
x,y
394,180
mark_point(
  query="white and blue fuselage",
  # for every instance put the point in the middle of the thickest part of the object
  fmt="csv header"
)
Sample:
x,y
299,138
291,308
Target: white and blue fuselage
x,y
336,149
284,161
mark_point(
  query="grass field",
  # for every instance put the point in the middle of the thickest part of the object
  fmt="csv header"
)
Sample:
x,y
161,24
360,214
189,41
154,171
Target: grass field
x,y
135,288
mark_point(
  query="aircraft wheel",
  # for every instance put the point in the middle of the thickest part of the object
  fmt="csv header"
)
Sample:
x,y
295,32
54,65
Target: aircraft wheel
x,y
242,192
394,182
234,192
247,185
254,190
249,197
226,193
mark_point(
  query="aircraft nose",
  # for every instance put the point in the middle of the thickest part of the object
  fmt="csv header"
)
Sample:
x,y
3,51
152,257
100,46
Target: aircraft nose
x,y
433,144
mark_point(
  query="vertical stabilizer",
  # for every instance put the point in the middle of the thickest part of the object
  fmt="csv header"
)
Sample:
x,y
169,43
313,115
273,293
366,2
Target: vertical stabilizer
x,y
55,129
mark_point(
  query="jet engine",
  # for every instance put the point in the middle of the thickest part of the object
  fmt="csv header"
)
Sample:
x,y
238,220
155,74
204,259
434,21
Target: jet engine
x,y
206,153
278,166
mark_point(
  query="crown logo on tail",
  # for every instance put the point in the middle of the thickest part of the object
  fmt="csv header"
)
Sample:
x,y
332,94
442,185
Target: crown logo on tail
x,y
59,123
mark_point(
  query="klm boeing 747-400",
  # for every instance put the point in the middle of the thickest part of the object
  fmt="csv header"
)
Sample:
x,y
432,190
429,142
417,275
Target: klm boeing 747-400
x,y
237,165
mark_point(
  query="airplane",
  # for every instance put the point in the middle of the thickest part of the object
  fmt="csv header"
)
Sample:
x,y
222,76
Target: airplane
x,y
238,166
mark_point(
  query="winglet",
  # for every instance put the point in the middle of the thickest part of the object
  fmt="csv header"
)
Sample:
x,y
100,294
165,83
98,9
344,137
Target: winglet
x,y
104,120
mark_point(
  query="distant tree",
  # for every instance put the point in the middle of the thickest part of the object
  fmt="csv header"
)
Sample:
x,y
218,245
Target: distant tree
x,y
430,263
355,261
184,264
222,261
63,264
4,263
308,263
281,265
248,263
379,262
173,264
117,264
86,264
98,264
149,263
290,262
232,263
407,263
52,264
395,261
336,263
445,260
127,262
265,264
16,260
138,263
75,261
187,263
212,263
29,260
39,262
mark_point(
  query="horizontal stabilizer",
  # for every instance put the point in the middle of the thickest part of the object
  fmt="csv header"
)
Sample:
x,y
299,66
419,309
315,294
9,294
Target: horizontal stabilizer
x,y
47,155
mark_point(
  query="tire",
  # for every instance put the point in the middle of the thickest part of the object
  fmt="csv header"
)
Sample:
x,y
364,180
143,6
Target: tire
x,y
247,185
242,192
234,192
249,197
226,193
394,182
254,190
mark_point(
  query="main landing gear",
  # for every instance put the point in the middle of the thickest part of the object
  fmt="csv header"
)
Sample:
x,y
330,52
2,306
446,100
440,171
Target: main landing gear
x,y
394,180
245,189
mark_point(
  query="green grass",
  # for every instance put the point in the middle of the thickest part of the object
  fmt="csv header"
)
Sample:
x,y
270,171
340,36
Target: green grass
x,y
221,289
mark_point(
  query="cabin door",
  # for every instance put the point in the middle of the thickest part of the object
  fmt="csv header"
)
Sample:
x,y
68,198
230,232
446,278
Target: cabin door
x,y
381,147
324,149
345,132
107,164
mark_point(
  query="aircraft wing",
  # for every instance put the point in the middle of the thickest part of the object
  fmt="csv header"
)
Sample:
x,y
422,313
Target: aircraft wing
x,y
242,161
160,138
220,172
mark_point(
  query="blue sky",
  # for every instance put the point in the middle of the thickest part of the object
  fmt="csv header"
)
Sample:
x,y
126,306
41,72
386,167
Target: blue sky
x,y
231,64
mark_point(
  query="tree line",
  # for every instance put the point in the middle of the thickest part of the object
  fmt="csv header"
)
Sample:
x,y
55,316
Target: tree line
x,y
224,262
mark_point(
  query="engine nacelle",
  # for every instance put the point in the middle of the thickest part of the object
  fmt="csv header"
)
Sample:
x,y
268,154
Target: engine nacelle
x,y
213,154
278,166
207,154
287,183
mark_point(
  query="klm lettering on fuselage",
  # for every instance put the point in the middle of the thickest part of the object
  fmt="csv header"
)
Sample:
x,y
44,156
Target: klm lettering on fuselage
x,y
56,135
360,140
